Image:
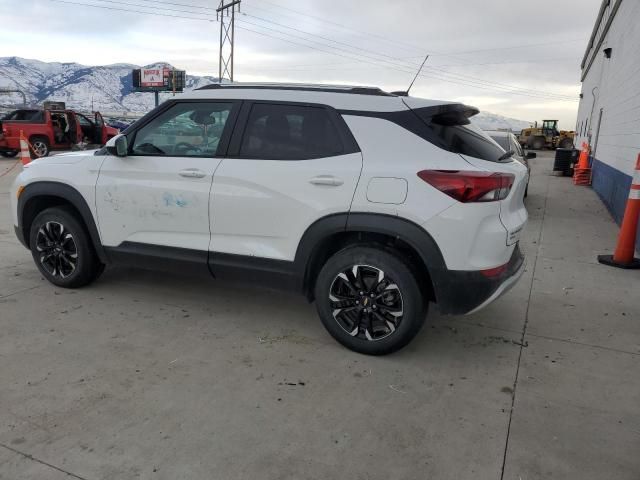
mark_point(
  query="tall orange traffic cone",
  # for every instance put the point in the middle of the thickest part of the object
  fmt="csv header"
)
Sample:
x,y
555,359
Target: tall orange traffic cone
x,y
623,256
582,172
25,154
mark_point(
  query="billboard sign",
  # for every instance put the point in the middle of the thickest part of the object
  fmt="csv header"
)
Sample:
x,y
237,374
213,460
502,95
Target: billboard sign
x,y
158,79
152,77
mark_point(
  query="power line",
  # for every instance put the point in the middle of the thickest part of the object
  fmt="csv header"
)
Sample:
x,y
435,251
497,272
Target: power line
x,y
105,7
422,49
449,76
444,76
345,27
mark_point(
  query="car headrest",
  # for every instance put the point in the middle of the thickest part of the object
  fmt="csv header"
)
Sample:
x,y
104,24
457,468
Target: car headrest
x,y
202,117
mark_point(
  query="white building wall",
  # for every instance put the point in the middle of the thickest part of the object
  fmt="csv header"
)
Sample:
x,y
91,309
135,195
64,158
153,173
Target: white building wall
x,y
613,85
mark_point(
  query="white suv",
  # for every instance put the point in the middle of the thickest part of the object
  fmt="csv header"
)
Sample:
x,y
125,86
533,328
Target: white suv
x,y
370,203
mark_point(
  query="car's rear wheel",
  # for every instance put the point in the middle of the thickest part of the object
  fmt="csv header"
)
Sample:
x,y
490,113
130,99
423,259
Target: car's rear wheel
x,y
9,154
40,146
62,249
369,300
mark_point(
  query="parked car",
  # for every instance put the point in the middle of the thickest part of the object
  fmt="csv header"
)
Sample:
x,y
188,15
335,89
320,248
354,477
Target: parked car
x,y
371,204
49,130
509,142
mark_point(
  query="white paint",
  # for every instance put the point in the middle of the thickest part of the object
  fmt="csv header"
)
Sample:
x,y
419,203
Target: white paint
x,y
147,200
387,190
263,207
616,83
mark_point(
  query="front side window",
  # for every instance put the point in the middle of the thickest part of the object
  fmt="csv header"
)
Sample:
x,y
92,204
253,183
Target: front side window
x,y
290,132
184,130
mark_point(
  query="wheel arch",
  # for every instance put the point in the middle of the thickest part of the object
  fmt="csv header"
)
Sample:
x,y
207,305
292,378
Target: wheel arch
x,y
38,196
333,233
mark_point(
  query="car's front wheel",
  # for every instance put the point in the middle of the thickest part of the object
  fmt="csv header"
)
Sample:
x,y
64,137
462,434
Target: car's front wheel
x,y
62,249
369,300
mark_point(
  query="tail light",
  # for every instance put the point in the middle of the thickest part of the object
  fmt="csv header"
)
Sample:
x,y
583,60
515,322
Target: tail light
x,y
470,186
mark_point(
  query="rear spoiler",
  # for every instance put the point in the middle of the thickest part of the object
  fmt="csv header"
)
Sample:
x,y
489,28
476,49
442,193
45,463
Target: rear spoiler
x,y
447,115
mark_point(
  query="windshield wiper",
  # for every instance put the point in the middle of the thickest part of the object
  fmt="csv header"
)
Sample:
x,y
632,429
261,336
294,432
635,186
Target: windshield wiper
x,y
507,155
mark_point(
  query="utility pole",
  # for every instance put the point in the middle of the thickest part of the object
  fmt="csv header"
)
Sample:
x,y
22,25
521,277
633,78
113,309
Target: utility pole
x,y
227,37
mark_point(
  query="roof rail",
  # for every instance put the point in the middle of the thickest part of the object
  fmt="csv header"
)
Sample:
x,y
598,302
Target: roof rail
x,y
309,88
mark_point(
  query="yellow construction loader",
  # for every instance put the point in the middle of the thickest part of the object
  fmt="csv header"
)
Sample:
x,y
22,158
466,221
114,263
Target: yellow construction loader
x,y
547,136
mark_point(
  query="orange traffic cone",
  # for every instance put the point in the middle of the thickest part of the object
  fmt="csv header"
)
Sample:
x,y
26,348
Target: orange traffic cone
x,y
623,256
582,172
25,154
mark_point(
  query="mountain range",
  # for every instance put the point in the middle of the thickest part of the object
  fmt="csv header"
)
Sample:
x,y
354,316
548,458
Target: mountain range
x,y
109,88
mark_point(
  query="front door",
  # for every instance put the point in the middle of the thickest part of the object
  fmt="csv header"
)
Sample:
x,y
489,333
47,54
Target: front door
x,y
287,166
159,193
99,135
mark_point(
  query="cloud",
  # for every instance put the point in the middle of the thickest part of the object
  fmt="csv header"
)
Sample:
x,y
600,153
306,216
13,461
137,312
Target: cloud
x,y
476,48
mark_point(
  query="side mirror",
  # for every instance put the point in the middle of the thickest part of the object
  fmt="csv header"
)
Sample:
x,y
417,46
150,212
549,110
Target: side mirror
x,y
118,146
531,155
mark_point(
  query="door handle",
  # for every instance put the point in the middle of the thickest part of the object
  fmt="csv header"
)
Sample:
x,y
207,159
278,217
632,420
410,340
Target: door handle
x,y
326,180
192,173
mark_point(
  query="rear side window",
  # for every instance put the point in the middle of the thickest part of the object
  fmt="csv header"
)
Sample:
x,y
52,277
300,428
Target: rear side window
x,y
449,130
468,140
290,132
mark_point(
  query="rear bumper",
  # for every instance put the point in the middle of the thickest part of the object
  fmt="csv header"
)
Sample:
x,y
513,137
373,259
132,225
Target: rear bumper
x,y
466,292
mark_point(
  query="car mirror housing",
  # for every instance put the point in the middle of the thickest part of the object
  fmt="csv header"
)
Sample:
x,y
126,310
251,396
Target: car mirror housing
x,y
118,146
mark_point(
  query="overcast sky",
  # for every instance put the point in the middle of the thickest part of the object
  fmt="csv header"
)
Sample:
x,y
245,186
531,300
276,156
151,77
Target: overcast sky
x,y
482,52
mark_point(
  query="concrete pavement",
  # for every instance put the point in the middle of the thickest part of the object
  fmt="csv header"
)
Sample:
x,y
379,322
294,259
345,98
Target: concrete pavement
x,y
145,375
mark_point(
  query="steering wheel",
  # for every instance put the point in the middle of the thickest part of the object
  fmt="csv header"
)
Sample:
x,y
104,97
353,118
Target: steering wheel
x,y
184,147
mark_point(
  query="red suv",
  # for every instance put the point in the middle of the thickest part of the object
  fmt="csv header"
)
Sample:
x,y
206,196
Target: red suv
x,y
49,130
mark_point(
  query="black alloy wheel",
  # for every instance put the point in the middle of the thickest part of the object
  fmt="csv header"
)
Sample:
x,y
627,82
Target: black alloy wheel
x,y
62,248
366,302
58,253
370,299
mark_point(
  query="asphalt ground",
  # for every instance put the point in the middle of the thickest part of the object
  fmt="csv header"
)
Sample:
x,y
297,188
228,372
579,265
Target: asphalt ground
x,y
152,376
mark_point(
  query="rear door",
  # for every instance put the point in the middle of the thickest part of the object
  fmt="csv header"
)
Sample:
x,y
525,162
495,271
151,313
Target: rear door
x,y
159,193
288,165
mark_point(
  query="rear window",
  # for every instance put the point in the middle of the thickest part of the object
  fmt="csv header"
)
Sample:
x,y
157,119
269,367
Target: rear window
x,y
502,141
453,132
25,115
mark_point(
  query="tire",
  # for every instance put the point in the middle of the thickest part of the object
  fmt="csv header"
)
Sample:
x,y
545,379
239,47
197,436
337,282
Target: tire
x,y
537,143
566,143
53,249
9,154
376,325
40,146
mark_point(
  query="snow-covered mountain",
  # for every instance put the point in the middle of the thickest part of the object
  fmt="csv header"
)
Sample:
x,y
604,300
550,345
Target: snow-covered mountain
x,y
109,88
492,121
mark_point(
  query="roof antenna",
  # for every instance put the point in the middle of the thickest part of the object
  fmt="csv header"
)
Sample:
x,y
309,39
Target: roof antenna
x,y
417,74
